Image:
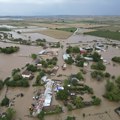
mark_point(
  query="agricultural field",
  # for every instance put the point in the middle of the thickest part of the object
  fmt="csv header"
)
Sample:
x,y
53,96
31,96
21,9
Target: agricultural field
x,y
58,34
105,34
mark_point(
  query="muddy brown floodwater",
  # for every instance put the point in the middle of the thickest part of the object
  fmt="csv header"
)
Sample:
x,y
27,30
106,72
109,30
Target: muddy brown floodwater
x,y
17,60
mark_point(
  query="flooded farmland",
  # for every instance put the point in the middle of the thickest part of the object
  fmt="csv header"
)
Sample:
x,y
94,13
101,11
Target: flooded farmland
x,y
18,60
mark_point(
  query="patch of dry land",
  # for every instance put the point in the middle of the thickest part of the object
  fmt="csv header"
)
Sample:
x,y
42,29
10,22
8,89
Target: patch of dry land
x,y
56,34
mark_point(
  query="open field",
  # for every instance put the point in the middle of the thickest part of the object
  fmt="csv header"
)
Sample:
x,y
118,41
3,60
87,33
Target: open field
x,y
56,34
105,34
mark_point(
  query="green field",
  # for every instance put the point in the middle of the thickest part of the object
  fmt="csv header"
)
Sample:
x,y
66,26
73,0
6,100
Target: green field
x,y
4,29
73,29
105,34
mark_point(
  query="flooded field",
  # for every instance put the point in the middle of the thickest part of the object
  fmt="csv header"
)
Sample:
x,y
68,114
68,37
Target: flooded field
x,y
17,60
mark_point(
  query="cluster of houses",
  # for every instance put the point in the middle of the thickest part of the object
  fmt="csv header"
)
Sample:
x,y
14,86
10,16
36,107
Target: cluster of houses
x,y
44,99
98,47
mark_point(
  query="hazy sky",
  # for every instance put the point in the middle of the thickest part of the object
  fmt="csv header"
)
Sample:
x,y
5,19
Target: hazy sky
x,y
59,7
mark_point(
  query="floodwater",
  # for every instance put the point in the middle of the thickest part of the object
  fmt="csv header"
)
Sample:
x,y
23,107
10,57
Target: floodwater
x,y
30,29
32,36
8,62
16,60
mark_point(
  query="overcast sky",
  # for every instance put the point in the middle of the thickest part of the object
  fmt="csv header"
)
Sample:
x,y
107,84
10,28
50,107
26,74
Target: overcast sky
x,y
59,7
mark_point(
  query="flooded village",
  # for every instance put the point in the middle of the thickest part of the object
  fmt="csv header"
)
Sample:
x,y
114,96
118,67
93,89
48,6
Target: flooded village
x,y
59,70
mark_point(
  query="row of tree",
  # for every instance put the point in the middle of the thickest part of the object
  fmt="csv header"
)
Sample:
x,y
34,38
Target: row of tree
x,y
9,50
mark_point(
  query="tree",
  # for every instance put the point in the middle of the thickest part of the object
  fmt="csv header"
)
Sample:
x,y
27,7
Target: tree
x,y
14,71
33,56
96,74
116,59
96,100
69,50
70,61
118,81
5,101
109,86
69,107
62,94
78,102
79,76
98,66
96,57
75,49
1,84
70,118
78,58
32,68
107,75
17,77
9,114
9,50
41,115
74,82
112,92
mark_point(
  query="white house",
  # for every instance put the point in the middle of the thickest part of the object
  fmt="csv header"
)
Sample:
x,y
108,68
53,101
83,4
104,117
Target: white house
x,y
26,74
66,56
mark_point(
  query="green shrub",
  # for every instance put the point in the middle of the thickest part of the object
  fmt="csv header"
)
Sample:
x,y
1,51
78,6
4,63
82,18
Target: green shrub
x,y
116,59
98,66
5,101
69,107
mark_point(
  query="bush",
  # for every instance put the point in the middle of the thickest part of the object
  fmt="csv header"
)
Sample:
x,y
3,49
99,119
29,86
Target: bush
x,y
70,118
49,62
41,115
79,76
80,63
96,57
32,68
14,71
33,56
17,81
116,59
38,78
98,66
62,95
1,84
71,49
112,92
9,114
96,101
9,50
69,107
78,102
96,74
118,81
70,61
107,75
5,102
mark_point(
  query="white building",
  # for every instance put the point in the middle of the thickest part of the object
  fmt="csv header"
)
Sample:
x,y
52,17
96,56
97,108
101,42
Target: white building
x,y
66,56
